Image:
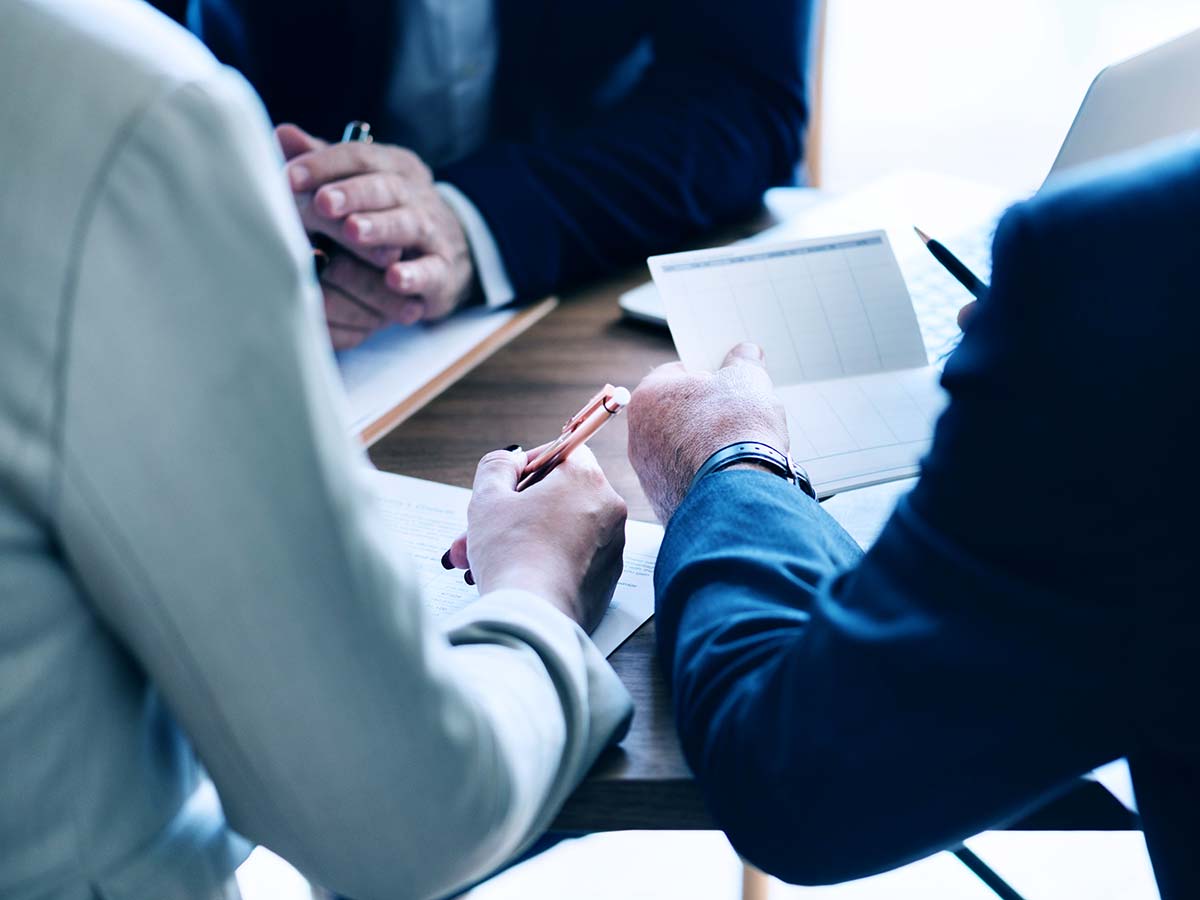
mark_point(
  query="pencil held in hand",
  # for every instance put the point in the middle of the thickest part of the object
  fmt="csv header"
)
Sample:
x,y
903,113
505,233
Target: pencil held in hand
x,y
953,265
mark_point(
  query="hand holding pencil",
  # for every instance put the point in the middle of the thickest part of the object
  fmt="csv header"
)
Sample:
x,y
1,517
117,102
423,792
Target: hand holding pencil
x,y
968,279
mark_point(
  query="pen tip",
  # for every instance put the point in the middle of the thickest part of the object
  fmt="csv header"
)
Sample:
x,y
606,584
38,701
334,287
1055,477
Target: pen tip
x,y
922,235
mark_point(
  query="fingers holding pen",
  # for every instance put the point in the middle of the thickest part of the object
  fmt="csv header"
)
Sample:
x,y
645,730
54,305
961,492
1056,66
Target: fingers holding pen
x,y
499,471
495,476
560,540
456,558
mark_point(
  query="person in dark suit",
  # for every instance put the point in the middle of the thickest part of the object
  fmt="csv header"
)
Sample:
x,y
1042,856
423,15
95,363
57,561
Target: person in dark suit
x,y
1030,610
538,143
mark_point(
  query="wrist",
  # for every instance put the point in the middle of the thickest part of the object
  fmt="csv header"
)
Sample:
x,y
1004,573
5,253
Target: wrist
x,y
760,454
534,580
701,451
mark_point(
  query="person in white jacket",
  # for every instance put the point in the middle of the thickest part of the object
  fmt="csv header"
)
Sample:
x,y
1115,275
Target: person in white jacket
x,y
193,582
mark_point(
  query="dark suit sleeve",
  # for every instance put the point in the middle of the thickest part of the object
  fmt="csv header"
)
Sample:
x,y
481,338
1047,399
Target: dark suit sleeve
x,y
846,714
715,120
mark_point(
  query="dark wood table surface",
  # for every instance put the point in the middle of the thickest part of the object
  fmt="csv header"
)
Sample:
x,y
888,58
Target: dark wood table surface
x,y
523,394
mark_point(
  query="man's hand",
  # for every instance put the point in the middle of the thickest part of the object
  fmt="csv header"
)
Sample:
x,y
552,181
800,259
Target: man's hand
x,y
964,315
678,419
561,538
379,202
358,301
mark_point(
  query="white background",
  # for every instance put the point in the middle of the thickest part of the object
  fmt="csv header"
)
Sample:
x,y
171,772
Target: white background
x,y
984,89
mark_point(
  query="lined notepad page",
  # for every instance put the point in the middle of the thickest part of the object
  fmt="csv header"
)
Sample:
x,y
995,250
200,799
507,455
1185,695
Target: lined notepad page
x,y
841,339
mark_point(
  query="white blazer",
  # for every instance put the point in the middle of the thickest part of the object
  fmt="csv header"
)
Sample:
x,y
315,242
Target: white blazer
x,y
191,577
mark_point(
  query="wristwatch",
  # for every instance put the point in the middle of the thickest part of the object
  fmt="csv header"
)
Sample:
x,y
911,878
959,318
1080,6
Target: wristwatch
x,y
753,451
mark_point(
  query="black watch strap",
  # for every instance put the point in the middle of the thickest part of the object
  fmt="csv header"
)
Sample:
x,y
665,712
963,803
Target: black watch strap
x,y
754,451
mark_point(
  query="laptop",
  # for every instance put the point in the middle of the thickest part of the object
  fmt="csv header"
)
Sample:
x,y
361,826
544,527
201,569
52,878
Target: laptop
x,y
1151,97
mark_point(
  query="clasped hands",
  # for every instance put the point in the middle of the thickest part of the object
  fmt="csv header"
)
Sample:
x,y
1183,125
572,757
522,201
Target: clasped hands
x,y
402,255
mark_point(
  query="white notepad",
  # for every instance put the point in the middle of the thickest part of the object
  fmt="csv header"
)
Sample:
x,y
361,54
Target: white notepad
x,y
396,362
842,342
422,518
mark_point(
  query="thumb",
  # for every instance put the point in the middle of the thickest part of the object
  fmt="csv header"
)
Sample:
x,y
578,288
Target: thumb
x,y
499,471
745,353
964,314
294,140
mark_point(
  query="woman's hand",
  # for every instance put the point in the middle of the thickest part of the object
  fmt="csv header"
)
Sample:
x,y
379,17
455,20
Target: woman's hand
x,y
561,538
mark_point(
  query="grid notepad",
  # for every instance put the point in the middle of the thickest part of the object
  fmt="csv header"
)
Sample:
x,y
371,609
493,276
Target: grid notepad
x,y
842,342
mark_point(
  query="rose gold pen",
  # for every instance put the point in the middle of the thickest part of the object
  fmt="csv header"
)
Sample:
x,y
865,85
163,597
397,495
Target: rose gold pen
x,y
596,413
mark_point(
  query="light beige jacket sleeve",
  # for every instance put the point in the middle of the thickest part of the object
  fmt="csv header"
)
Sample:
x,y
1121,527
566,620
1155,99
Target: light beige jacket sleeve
x,y
209,501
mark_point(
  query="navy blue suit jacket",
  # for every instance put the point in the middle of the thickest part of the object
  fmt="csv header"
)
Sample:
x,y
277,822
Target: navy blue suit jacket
x,y
1032,609
620,128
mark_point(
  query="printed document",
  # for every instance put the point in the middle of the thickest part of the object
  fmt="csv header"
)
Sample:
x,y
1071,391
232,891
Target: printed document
x,y
424,517
842,343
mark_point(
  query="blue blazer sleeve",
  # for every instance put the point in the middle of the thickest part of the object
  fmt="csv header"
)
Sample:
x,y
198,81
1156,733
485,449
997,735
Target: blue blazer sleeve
x,y
1027,612
716,119
845,716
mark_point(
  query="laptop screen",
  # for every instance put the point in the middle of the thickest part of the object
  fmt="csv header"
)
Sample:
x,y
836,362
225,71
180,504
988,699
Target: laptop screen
x,y
1148,98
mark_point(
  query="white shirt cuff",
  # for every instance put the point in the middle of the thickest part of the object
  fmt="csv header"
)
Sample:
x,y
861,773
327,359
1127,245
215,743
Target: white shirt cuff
x,y
493,277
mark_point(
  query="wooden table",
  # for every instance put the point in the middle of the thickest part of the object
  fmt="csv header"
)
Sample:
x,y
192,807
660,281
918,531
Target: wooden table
x,y
522,395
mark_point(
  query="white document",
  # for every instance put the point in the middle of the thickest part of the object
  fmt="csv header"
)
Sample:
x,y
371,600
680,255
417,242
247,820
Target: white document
x,y
424,517
961,213
842,342
396,362
864,513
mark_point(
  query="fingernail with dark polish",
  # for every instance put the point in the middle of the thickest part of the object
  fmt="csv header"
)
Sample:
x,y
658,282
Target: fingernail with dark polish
x,y
512,448
446,564
468,577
